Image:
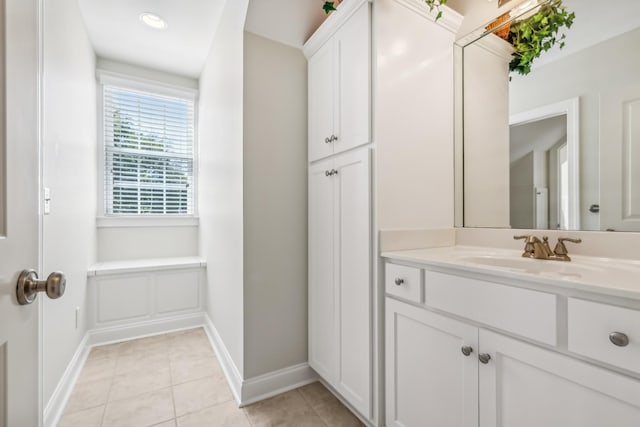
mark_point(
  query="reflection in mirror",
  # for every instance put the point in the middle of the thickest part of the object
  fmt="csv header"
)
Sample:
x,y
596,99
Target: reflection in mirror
x,y
558,148
3,176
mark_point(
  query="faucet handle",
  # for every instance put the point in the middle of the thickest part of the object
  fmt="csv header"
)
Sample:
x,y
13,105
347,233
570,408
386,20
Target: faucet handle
x,y
561,250
529,247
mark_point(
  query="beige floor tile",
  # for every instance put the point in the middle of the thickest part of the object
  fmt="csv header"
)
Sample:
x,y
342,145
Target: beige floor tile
x,y
189,369
196,395
317,394
223,415
148,345
335,414
139,382
145,410
196,333
287,409
110,350
170,423
141,361
87,418
97,369
190,348
88,395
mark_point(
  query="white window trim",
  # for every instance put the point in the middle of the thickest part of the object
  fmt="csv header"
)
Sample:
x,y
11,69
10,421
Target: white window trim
x,y
136,83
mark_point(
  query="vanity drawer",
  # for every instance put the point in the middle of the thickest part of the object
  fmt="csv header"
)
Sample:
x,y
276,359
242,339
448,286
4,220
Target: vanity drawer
x,y
528,313
590,327
404,282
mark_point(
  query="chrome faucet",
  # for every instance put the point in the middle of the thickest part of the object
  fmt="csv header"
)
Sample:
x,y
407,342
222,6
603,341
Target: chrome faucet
x,y
535,248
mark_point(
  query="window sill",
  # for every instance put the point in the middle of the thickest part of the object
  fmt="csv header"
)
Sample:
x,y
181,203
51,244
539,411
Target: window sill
x,y
147,221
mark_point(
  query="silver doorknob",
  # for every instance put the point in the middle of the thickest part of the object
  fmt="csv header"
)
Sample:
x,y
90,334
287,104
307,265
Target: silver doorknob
x,y
484,358
29,286
619,339
467,350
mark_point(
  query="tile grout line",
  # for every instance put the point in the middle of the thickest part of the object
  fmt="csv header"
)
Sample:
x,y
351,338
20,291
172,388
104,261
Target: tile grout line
x,y
312,407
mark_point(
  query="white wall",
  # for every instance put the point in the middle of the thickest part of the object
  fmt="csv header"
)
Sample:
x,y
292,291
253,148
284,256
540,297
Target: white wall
x,y
70,171
221,178
413,119
132,70
275,206
589,74
521,191
126,243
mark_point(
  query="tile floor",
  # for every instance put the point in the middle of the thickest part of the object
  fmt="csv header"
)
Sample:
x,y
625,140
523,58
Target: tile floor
x,y
175,380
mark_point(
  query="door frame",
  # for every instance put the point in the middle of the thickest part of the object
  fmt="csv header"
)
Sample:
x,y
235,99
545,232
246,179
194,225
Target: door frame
x,y
571,109
40,150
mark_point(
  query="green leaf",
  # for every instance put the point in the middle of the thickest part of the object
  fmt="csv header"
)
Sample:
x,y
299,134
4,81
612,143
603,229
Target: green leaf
x,y
328,7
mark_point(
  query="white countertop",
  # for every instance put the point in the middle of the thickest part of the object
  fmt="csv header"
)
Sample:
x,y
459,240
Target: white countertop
x,y
607,276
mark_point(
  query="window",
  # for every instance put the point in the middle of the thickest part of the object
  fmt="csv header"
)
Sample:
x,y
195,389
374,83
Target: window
x,y
148,144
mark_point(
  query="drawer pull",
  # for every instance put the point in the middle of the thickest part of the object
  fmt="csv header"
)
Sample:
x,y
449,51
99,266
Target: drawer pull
x,y
467,350
619,339
484,358
399,281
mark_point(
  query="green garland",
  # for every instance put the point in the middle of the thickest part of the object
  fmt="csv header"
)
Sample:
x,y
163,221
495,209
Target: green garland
x,y
538,33
435,4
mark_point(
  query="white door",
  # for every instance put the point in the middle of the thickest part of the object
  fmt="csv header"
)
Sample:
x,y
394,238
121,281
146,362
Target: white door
x,y
323,318
352,252
429,380
526,386
321,102
353,106
620,159
20,401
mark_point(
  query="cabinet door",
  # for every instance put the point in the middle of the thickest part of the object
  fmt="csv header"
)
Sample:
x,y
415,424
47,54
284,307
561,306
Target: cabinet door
x,y
323,316
352,254
321,101
353,106
429,381
527,386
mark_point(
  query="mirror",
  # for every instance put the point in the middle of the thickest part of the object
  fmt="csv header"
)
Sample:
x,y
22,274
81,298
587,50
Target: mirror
x,y
558,148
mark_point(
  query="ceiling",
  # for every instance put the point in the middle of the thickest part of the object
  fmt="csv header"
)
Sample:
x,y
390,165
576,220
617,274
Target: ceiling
x,y
182,48
290,22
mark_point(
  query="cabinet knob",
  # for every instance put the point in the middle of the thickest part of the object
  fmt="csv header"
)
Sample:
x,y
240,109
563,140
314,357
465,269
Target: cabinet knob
x,y
327,140
619,339
484,358
327,173
467,350
334,138
399,281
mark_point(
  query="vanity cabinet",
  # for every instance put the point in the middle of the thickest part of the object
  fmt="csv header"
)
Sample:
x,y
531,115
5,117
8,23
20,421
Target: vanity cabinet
x,y
429,381
461,358
340,87
339,275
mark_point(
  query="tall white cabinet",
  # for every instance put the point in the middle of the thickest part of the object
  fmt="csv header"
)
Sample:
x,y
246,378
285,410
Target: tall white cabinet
x,y
340,283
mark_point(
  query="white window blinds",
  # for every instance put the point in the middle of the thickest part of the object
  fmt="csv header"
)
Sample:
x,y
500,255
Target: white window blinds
x,y
148,151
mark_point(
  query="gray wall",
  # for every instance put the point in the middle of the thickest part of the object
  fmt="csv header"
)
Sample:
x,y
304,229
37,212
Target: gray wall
x,y
275,206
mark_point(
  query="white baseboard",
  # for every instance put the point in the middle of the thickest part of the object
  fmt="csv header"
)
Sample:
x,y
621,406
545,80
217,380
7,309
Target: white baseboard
x,y
58,401
55,406
226,362
264,386
261,387
130,331
245,391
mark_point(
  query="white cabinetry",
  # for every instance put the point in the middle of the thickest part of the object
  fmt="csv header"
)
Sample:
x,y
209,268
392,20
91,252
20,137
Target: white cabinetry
x,y
504,381
339,275
340,87
429,381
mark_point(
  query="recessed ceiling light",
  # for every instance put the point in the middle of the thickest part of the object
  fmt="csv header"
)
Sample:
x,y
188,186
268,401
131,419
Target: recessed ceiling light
x,y
153,20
